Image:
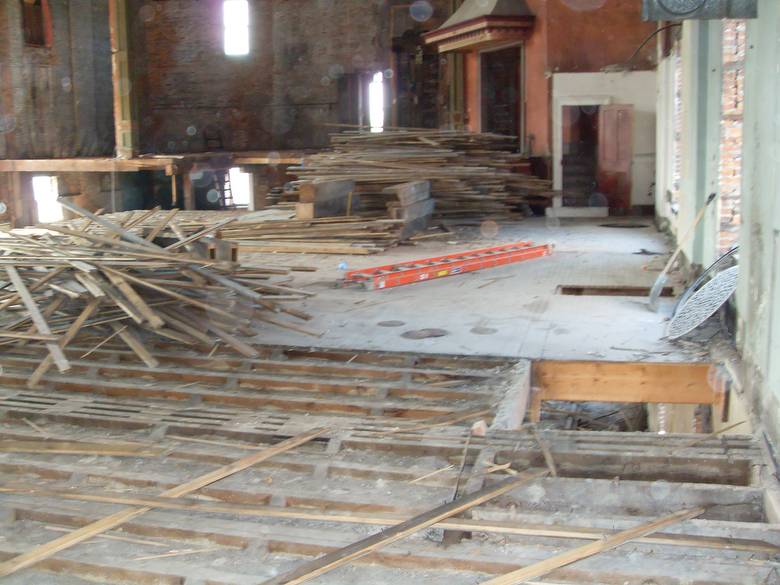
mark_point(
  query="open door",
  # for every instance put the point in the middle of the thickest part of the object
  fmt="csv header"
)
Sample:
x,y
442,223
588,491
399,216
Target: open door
x,y
615,154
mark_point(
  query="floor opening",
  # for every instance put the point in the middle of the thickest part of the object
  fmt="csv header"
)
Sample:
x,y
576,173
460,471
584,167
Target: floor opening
x,y
610,291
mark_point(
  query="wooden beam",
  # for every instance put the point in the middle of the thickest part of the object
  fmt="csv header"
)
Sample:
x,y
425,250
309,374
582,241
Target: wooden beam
x,y
189,192
38,319
572,556
125,127
49,549
366,546
593,381
84,165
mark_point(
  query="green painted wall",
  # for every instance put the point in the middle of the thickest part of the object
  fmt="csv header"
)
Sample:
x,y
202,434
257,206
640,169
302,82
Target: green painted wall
x,y
759,288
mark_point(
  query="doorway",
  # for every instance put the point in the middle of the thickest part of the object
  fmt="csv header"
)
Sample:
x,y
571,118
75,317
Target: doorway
x,y
501,91
580,152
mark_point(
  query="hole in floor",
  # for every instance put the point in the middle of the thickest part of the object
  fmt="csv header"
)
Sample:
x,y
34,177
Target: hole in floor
x,y
610,291
625,225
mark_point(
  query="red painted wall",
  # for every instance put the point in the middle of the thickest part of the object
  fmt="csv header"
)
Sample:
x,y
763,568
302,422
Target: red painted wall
x,y
577,36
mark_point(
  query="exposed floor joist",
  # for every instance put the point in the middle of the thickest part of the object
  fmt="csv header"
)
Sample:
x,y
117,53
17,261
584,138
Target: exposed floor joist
x,y
365,473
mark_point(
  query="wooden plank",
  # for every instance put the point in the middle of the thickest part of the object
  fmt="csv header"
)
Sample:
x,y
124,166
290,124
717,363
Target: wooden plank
x,y
70,334
78,448
135,299
343,556
167,218
84,165
412,192
37,318
135,344
49,549
548,565
189,192
593,381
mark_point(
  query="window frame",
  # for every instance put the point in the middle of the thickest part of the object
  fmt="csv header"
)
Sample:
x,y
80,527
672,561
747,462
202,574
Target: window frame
x,y
40,24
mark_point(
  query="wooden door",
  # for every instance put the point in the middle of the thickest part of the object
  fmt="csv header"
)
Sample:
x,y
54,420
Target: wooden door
x,y
500,98
615,154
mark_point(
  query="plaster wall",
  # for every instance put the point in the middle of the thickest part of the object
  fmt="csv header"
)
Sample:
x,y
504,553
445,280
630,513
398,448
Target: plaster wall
x,y
636,88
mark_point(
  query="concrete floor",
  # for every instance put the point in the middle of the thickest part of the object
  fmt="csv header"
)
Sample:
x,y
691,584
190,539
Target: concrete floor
x,y
512,310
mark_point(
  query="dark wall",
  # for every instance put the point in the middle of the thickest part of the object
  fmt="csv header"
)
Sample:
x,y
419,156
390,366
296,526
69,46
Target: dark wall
x,y
56,101
275,97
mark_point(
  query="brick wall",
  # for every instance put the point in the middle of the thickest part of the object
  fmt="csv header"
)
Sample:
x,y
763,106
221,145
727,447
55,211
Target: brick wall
x,y
731,132
56,101
277,97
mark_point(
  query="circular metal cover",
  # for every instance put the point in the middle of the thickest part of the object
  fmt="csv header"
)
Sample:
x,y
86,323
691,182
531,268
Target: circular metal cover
x,y
704,303
682,7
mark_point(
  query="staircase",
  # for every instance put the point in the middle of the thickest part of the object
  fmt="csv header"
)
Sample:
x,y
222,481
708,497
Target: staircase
x,y
579,180
579,197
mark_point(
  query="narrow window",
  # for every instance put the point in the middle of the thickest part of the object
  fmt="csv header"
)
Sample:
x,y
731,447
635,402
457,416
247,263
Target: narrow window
x,y
235,15
45,192
241,187
376,102
36,23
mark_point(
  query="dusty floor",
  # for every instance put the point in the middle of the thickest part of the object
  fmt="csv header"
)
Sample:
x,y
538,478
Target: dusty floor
x,y
512,310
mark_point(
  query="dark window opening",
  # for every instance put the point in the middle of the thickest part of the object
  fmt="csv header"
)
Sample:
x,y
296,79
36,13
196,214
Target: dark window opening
x,y
36,23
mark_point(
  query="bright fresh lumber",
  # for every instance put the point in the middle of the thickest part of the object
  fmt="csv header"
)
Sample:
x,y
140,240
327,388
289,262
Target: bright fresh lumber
x,y
471,175
359,549
45,551
588,550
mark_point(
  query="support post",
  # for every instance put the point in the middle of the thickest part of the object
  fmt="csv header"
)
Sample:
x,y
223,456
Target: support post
x,y
126,142
189,192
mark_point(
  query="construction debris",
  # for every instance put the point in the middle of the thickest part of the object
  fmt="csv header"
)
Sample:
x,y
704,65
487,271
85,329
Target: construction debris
x,y
471,174
275,229
125,286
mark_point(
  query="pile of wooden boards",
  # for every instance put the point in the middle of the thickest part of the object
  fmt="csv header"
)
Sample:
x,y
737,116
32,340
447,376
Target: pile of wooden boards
x,y
471,174
274,230
57,286
410,203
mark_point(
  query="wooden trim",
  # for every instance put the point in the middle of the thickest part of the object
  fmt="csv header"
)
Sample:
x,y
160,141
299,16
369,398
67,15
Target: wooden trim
x,y
520,23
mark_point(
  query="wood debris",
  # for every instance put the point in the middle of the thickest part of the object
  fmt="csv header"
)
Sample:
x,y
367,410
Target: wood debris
x,y
275,229
57,286
471,174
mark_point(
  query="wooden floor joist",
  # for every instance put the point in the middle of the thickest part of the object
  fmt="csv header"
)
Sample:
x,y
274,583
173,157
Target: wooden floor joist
x,y
602,381
67,464
589,550
47,550
364,547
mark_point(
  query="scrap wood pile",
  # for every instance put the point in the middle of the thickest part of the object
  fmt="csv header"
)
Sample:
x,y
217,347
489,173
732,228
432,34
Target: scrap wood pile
x,y
325,235
57,286
275,229
471,174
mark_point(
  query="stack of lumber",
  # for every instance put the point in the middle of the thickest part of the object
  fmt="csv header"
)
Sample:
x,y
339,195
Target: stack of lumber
x,y
323,198
57,286
411,203
471,175
275,229
325,235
